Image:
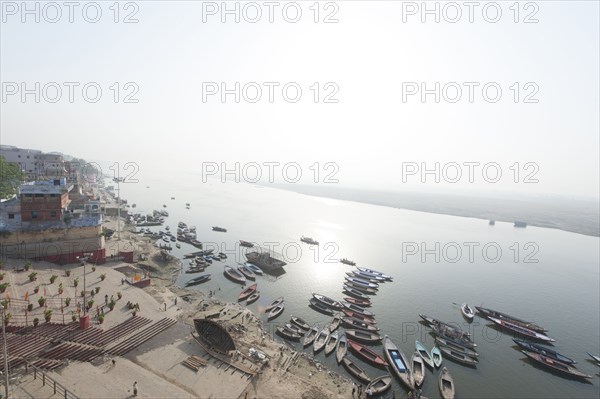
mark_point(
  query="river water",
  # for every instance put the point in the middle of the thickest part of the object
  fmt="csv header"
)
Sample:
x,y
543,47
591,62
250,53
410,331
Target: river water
x,y
437,261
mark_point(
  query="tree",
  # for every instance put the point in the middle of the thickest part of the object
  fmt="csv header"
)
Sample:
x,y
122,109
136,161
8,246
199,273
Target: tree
x,y
10,178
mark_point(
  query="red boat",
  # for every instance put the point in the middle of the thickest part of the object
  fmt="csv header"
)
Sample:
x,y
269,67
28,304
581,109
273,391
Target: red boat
x,y
247,292
367,354
359,302
363,318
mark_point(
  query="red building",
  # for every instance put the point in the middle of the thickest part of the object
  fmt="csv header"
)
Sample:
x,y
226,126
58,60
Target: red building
x,y
44,201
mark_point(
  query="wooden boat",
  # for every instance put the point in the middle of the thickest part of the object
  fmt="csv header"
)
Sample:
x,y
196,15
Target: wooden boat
x,y
309,240
543,350
198,280
255,269
219,229
366,353
359,316
456,348
424,353
178,245
246,244
300,323
358,309
467,311
361,282
398,363
253,298
331,343
436,355
288,334
374,273
350,322
446,384
458,357
234,275
275,303
311,335
371,279
194,269
325,300
452,336
247,272
596,358
556,366
276,311
364,336
321,340
449,328
356,371
335,323
320,307
294,328
365,303
379,385
362,288
485,312
247,292
355,293
418,369
341,348
521,330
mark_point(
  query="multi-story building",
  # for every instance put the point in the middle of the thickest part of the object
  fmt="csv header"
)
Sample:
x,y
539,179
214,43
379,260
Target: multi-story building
x,y
44,201
30,161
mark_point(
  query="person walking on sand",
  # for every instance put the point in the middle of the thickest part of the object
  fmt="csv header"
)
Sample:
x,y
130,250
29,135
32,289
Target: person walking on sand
x,y
353,389
135,388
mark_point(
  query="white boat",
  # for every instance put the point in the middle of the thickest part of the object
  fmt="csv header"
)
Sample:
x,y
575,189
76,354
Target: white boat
x,y
467,311
418,369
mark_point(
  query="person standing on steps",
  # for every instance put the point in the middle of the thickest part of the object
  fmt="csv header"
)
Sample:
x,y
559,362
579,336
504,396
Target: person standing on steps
x,y
135,389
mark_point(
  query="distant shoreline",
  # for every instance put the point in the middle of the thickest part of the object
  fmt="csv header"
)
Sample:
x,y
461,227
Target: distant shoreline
x,y
573,216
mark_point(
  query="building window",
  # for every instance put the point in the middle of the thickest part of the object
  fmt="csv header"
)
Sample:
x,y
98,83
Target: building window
x,y
52,214
11,215
34,214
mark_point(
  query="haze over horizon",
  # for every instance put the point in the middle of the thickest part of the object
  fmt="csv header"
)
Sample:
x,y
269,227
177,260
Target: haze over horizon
x,y
369,55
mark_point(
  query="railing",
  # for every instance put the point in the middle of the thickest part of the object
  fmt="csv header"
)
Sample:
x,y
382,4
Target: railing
x,y
56,386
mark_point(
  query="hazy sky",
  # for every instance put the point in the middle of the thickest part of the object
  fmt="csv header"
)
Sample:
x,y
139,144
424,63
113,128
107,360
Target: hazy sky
x,y
374,54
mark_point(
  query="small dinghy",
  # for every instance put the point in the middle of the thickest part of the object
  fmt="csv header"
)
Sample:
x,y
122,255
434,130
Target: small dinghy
x,y
335,323
446,384
294,328
355,370
418,369
247,272
455,347
247,292
331,343
300,323
320,307
358,309
364,336
350,322
379,385
467,311
311,335
365,303
458,357
288,334
198,280
321,340
359,316
436,355
253,298
366,353
276,311
234,275
255,269
355,293
274,304
374,273
325,300
341,348
425,355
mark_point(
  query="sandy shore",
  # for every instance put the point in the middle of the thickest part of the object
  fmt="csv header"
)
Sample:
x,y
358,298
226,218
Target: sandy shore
x,y
156,365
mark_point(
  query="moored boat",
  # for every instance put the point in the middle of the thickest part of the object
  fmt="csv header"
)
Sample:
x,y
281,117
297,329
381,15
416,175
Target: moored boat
x,y
357,309
359,316
371,279
521,330
424,353
311,335
219,229
456,347
331,343
294,328
325,300
276,311
365,303
363,336
543,350
379,385
255,269
596,358
246,244
485,312
300,323
458,357
362,283
347,262
198,280
320,307
309,240
467,312
436,355
355,370
447,327
451,336
361,288
247,292
355,293
288,334
234,275
350,322
446,384
418,369
321,340
341,348
398,362
335,323
253,298
556,366
366,353
249,274
374,273
275,303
